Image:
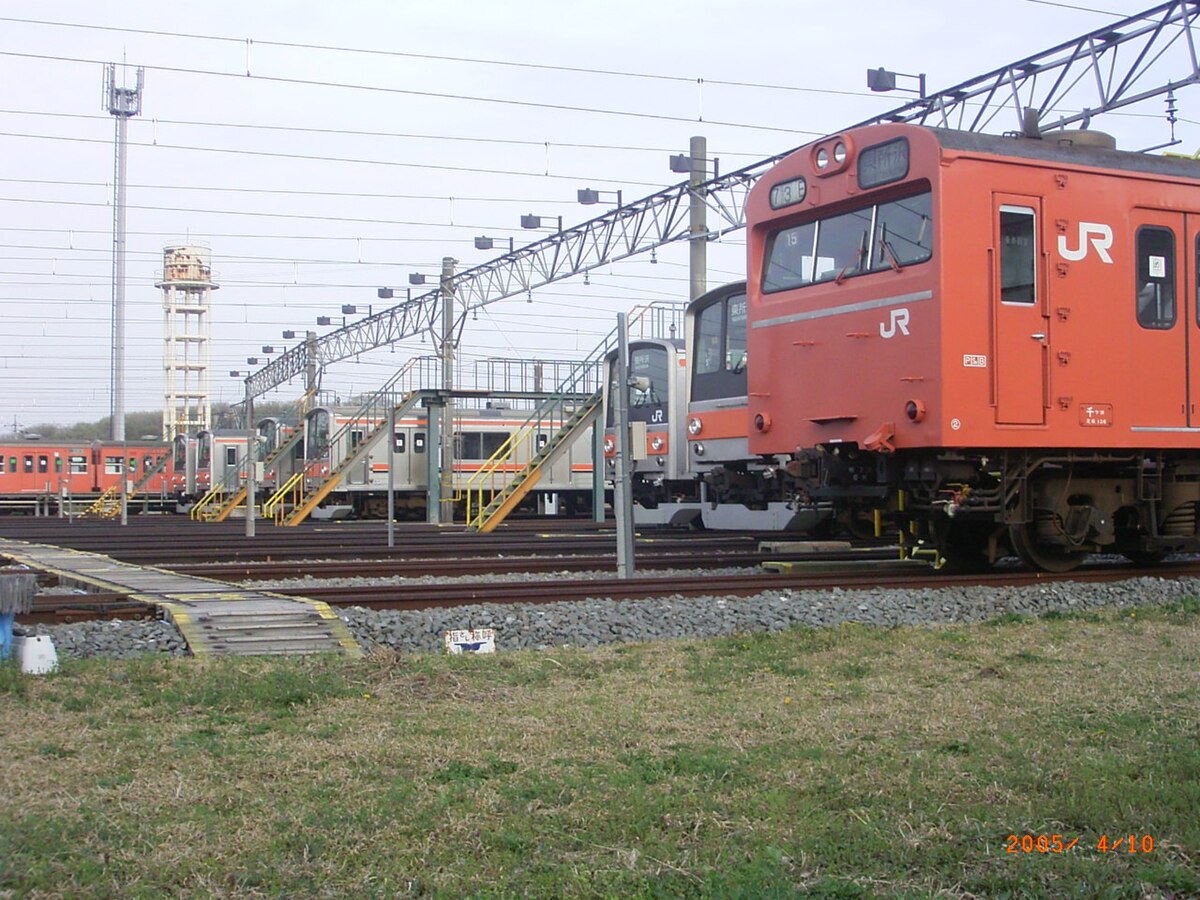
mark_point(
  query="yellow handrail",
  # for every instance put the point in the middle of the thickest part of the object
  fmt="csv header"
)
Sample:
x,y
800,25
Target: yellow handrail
x,y
273,507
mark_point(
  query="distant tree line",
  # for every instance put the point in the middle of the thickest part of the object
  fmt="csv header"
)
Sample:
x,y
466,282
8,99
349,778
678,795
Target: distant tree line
x,y
148,425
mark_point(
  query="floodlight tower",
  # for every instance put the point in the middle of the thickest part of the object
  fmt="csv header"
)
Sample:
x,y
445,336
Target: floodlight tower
x,y
187,285
123,103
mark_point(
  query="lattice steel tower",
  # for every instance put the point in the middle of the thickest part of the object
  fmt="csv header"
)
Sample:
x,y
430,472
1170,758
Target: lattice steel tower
x,y
187,287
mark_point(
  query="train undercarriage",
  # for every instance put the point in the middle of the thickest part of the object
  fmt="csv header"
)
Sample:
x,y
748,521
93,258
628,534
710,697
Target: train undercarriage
x,y
1051,508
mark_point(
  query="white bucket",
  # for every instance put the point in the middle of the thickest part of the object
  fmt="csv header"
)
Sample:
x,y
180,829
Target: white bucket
x,y
36,654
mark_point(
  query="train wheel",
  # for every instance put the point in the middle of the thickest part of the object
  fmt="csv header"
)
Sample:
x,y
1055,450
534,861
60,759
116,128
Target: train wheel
x,y
1038,555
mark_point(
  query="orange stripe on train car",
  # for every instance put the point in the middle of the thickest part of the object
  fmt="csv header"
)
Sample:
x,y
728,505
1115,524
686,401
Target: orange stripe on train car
x,y
720,423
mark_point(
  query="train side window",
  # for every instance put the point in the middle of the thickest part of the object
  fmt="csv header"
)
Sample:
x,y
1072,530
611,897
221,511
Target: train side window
x,y
28,464
492,441
230,456
398,442
113,465
1155,277
1018,254
77,464
418,442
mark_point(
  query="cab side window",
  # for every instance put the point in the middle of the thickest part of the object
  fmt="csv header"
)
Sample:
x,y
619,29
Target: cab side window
x,y
1155,277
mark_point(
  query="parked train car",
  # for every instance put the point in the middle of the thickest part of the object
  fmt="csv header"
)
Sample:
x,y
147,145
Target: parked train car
x,y
739,491
43,475
665,490
987,340
332,435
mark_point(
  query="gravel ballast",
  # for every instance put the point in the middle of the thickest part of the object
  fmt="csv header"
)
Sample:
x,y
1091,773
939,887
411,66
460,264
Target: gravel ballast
x,y
592,623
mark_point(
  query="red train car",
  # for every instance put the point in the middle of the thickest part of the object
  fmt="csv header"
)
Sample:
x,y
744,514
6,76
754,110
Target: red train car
x,y
989,340
43,474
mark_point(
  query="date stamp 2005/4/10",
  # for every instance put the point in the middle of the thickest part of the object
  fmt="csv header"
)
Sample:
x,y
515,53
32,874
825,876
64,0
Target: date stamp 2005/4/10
x,y
1057,843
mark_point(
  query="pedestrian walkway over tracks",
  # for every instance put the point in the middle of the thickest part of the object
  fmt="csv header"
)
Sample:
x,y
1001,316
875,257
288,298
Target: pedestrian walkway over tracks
x,y
216,618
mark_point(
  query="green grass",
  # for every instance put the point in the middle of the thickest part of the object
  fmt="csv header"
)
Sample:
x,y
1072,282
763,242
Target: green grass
x,y
847,762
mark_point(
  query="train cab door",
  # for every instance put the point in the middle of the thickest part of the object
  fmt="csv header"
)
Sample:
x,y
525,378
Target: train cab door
x,y
1159,327
1018,311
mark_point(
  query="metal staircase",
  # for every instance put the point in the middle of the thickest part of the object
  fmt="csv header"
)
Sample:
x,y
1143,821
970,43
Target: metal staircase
x,y
239,496
212,507
505,479
108,504
376,412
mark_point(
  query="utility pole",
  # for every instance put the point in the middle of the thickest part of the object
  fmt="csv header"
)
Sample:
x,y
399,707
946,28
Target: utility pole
x,y
698,219
622,489
446,501
123,103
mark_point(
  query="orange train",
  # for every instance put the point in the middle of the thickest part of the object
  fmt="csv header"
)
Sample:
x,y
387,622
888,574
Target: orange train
x,y
993,342
40,475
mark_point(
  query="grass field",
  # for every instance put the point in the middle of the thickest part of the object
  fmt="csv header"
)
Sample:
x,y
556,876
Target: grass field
x,y
846,762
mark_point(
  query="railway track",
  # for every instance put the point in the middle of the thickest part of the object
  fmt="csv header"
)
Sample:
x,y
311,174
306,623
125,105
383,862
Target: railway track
x,y
815,575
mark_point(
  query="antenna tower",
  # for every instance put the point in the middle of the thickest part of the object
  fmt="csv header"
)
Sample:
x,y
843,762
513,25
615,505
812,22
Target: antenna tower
x,y
122,103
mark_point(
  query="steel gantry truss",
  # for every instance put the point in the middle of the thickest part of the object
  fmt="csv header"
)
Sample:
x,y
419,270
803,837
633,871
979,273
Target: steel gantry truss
x,y
1109,68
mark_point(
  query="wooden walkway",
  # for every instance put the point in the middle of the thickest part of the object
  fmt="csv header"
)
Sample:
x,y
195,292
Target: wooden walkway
x,y
215,618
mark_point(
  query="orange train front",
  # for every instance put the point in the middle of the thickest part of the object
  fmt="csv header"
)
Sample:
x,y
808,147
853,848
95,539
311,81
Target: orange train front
x,y
992,341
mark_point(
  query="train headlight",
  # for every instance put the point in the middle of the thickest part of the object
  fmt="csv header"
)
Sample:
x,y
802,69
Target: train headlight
x,y
762,422
660,461
694,425
698,448
822,158
610,445
839,153
657,444
914,410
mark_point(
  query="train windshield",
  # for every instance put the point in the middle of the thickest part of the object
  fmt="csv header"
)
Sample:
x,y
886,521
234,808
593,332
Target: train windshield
x,y
720,352
873,238
648,385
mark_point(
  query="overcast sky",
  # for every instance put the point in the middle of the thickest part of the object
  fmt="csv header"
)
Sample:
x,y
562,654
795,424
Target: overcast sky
x,y
315,148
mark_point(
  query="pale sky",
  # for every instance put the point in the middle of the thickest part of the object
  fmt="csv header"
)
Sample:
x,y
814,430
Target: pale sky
x,y
329,170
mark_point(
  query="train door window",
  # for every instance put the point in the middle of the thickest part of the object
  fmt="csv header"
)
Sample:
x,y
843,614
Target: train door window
x,y
27,466
1018,254
418,442
43,463
356,437
842,245
735,333
542,440
112,465
57,463
492,441
708,340
790,258
147,463
77,464
1155,277
398,442
12,465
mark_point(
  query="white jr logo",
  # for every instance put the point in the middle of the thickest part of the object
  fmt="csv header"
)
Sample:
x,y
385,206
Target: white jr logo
x,y
1101,239
899,320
